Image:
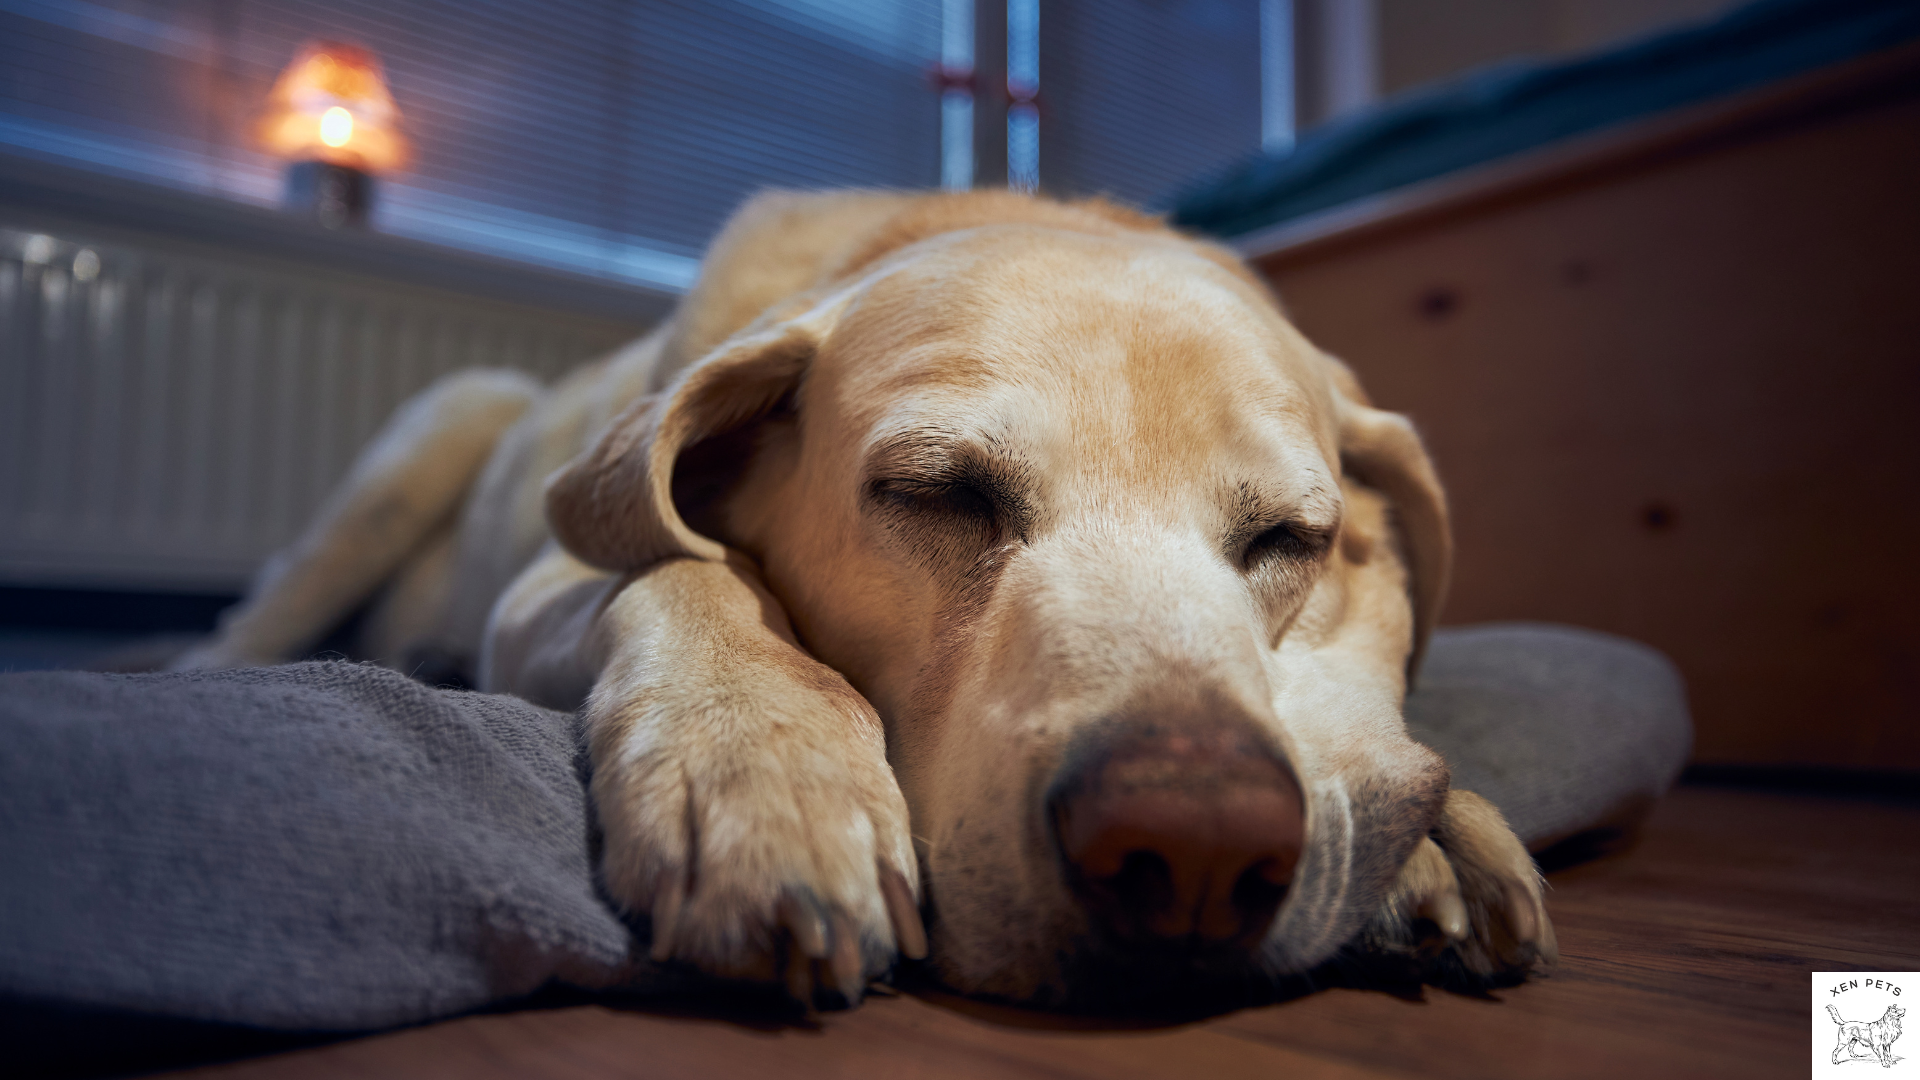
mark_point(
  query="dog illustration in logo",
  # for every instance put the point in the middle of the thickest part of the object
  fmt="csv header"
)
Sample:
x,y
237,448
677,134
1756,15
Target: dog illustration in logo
x,y
1859,1039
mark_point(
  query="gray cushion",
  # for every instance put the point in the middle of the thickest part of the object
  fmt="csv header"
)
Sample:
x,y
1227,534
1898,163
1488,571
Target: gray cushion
x,y
309,846
1563,729
334,846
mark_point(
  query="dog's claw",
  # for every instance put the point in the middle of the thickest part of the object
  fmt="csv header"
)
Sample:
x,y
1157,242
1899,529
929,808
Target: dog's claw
x,y
1521,917
1447,911
1429,890
1546,945
846,961
908,931
666,912
809,930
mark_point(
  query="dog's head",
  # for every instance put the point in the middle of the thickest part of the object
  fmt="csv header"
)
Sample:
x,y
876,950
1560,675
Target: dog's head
x,y
1131,570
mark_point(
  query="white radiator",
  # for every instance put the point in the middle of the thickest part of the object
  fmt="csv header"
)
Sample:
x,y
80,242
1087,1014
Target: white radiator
x,y
169,415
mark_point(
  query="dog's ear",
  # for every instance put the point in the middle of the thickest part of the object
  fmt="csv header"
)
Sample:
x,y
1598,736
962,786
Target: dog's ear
x,y
1381,450
613,506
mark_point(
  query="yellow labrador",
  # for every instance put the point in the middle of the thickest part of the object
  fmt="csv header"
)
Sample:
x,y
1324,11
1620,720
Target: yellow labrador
x,y
1002,562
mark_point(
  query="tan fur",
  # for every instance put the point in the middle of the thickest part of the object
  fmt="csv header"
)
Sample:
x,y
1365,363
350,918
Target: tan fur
x,y
790,647
403,490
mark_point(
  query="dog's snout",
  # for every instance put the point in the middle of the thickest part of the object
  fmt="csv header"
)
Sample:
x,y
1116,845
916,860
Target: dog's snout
x,y
1180,835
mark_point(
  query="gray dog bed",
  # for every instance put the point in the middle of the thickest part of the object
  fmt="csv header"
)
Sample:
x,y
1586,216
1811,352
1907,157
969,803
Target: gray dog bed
x,y
331,846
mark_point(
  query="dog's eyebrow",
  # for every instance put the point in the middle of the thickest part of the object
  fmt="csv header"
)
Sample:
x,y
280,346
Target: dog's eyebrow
x,y
938,452
917,452
1252,509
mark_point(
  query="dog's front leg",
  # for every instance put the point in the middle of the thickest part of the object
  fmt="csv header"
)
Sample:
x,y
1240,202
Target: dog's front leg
x,y
1474,881
744,790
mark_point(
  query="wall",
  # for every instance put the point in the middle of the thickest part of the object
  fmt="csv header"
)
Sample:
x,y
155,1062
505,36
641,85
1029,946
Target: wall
x,y
1424,40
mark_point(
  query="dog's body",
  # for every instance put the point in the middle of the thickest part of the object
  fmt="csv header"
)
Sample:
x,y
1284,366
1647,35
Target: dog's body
x,y
1036,525
1859,1039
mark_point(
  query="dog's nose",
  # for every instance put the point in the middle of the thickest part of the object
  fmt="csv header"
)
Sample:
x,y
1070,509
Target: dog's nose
x,y
1180,835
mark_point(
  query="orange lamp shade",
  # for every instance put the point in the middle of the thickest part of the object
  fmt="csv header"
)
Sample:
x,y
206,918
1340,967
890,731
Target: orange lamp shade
x,y
332,105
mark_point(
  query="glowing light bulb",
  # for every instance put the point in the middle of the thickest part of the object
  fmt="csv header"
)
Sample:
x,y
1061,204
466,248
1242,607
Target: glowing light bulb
x,y
331,105
336,126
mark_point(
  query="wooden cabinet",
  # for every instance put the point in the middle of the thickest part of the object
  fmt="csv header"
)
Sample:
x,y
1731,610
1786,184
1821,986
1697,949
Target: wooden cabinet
x,y
1671,376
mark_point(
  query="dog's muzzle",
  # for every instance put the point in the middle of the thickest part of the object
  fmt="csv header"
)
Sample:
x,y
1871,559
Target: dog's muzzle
x,y
1178,836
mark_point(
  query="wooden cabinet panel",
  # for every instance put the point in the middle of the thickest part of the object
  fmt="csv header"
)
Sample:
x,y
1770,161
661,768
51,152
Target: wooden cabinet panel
x,y
1676,396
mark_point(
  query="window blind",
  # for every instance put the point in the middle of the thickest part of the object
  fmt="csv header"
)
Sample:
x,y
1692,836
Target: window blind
x,y
614,138
1137,97
606,137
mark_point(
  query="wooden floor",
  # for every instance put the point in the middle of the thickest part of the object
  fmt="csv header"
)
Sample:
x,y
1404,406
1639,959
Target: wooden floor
x,y
1687,955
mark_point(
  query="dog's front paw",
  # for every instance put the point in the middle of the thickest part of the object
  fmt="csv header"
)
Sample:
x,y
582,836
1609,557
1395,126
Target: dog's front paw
x,y
1469,905
763,833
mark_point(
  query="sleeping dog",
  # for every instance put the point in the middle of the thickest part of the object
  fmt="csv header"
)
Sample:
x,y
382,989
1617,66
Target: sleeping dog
x,y
976,578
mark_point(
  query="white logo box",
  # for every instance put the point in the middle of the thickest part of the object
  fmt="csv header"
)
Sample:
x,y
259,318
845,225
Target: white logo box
x,y
1875,1038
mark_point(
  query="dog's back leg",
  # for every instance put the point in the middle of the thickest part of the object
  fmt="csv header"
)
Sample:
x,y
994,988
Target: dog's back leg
x,y
399,625
405,487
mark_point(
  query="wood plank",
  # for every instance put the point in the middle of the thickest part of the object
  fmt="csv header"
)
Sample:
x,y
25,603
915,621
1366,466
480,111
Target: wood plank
x,y
1688,955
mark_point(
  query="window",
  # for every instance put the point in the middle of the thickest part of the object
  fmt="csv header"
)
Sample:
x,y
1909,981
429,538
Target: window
x,y
613,138
605,137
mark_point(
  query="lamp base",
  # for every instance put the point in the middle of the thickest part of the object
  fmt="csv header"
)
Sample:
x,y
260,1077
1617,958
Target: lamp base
x,y
334,195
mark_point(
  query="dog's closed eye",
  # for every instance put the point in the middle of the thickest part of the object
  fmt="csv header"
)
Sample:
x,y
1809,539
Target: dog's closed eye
x,y
949,496
957,499
1287,541
943,520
